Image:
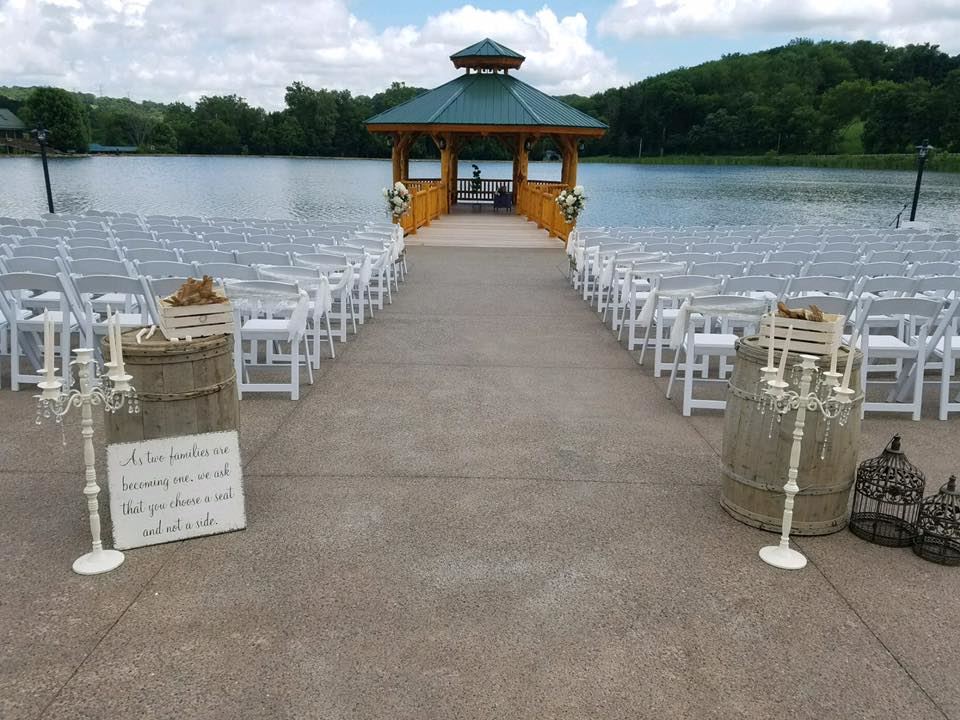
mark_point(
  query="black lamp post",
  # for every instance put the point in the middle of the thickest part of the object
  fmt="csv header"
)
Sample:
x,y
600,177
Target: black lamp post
x,y
41,132
922,152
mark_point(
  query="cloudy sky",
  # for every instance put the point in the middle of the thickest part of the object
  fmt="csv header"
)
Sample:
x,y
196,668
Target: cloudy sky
x,y
182,49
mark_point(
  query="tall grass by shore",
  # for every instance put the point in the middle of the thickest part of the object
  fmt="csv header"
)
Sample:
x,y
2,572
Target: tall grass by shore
x,y
941,161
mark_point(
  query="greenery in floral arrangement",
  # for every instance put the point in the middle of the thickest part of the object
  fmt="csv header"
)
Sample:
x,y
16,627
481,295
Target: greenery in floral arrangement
x,y
571,203
398,199
475,183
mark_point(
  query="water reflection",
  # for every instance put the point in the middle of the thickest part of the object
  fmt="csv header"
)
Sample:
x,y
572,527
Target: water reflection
x,y
331,189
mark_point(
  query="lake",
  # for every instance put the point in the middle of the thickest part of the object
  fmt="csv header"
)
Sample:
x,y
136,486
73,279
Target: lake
x,y
331,189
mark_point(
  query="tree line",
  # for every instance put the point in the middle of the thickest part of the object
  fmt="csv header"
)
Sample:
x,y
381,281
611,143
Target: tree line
x,y
802,98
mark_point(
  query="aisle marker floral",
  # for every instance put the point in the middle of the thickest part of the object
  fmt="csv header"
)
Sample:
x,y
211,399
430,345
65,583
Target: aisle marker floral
x,y
571,203
398,199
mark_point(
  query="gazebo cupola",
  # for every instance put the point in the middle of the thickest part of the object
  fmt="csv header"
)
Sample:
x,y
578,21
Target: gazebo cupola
x,y
487,55
485,101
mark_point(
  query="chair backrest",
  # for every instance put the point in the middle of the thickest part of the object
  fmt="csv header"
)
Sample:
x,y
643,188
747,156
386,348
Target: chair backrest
x,y
778,269
151,255
899,256
717,269
141,244
230,270
85,241
846,256
923,256
876,269
98,266
177,236
832,304
207,255
222,237
15,231
791,256
46,266
131,234
288,246
928,269
31,222
43,241
263,257
91,253
918,310
164,268
244,246
835,269
13,282
756,284
88,226
185,245
100,284
743,256
55,233
759,247
888,284
677,285
273,238
319,258
943,285
820,285
33,251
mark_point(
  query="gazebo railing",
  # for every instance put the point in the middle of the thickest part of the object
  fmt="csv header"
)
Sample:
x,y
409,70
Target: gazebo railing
x,y
467,192
537,199
426,204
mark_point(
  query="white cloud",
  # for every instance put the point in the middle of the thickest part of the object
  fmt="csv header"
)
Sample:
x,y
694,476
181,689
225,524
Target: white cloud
x,y
894,21
182,49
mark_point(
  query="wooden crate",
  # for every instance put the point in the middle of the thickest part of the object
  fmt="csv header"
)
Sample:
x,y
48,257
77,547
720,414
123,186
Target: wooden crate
x,y
808,337
194,321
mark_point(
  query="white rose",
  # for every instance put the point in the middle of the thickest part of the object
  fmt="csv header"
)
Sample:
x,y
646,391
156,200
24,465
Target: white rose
x,y
399,185
578,190
571,200
397,201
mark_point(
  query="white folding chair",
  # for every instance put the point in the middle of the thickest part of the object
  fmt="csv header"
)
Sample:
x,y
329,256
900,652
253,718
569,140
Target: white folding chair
x,y
718,315
93,325
26,326
907,345
257,305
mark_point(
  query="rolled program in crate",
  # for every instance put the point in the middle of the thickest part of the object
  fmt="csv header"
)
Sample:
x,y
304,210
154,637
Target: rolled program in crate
x,y
185,387
756,451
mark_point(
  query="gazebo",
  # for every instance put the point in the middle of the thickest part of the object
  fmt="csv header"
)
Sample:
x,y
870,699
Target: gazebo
x,y
486,101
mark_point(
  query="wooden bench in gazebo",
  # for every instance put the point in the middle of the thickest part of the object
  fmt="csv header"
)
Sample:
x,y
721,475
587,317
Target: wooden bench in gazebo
x,y
486,101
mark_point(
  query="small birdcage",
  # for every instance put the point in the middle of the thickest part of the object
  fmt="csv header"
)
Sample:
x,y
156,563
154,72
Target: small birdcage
x,y
887,497
938,529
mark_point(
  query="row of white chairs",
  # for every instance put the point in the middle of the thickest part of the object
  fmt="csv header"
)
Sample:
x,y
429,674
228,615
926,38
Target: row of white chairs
x,y
341,284
907,323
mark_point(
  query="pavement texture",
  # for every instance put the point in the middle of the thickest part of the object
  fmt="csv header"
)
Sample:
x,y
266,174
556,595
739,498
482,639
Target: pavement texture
x,y
484,508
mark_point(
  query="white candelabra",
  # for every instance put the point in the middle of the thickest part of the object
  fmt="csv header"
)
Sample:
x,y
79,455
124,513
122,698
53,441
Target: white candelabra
x,y
817,392
55,402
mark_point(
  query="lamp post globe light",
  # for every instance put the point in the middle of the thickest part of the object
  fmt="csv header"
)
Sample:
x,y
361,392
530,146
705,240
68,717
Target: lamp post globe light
x,y
923,152
41,134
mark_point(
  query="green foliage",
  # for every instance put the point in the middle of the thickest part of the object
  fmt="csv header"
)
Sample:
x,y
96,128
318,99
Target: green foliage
x,y
804,98
62,114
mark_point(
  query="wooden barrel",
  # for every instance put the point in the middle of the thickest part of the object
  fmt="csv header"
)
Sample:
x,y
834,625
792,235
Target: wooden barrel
x,y
184,387
755,463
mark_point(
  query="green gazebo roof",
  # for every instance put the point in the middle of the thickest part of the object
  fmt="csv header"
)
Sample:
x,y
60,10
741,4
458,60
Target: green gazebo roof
x,y
487,48
485,99
9,121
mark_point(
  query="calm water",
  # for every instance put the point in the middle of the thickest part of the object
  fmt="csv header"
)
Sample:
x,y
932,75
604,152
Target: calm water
x,y
327,189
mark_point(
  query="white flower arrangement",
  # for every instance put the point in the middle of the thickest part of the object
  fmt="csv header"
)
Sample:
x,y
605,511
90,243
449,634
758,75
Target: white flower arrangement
x,y
398,199
571,203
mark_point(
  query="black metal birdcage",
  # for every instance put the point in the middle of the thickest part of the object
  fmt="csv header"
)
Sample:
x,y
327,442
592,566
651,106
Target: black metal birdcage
x,y
887,497
938,529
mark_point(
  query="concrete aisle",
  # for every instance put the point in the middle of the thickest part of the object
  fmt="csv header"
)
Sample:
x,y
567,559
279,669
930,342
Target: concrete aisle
x,y
482,509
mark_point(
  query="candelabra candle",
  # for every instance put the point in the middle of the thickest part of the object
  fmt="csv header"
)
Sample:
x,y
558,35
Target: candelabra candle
x,y
811,396
56,403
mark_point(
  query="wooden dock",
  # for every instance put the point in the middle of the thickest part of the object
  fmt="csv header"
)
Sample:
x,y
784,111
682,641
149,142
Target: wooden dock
x,y
484,229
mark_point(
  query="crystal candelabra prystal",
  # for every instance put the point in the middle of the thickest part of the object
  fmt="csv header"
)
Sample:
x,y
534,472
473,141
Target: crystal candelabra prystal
x,y
55,402
817,392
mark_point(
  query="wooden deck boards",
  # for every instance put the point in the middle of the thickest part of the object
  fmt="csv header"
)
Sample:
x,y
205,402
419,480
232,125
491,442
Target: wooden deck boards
x,y
483,230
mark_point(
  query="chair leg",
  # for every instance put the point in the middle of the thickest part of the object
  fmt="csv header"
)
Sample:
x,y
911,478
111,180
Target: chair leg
x,y
688,380
326,320
295,369
238,359
14,357
306,359
918,386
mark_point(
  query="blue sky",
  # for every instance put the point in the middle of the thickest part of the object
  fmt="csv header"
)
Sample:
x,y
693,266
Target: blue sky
x,y
183,49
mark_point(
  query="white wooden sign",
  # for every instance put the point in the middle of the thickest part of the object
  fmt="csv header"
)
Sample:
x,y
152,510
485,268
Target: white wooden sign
x,y
175,488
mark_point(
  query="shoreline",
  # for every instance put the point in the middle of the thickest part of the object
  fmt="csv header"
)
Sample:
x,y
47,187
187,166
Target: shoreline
x,y
939,162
